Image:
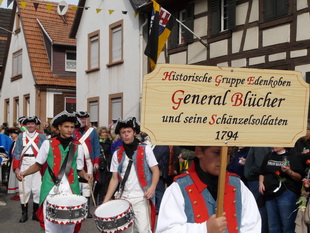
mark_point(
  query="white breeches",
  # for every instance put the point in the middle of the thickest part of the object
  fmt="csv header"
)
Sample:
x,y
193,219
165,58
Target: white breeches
x,y
142,214
32,183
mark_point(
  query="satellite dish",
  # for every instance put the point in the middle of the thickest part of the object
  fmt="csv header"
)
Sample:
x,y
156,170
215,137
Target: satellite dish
x,y
62,8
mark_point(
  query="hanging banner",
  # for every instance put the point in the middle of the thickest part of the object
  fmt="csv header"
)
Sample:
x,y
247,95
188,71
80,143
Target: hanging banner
x,y
203,105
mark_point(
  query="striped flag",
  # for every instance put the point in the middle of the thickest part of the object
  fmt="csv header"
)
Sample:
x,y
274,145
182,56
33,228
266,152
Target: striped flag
x,y
160,29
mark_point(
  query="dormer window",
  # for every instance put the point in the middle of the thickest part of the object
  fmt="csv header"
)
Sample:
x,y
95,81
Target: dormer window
x,y
70,61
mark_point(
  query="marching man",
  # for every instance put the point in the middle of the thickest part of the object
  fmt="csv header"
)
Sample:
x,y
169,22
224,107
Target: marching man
x,y
89,140
26,150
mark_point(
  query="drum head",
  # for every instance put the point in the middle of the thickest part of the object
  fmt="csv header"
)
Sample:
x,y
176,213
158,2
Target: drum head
x,y
67,200
112,208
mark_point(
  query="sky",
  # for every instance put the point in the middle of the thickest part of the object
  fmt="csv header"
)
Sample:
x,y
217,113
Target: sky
x,y
74,2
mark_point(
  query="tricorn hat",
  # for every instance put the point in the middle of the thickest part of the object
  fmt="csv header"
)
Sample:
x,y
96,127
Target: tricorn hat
x,y
21,119
129,122
82,114
34,119
65,116
14,130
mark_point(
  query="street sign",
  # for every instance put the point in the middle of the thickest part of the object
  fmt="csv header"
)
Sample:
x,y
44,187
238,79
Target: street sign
x,y
216,106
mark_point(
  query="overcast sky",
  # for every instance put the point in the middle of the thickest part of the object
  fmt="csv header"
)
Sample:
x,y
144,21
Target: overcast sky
x,y
74,2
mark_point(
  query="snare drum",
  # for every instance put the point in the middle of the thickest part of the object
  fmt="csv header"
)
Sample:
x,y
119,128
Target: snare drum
x,y
66,209
114,216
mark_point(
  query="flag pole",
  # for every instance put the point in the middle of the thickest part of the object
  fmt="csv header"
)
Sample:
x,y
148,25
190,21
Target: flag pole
x,y
199,38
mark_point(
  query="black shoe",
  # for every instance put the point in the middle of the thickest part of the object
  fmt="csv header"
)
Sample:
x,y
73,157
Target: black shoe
x,y
89,215
24,217
34,213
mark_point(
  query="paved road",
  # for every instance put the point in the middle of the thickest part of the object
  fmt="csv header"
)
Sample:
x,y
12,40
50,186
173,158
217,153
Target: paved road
x,y
11,213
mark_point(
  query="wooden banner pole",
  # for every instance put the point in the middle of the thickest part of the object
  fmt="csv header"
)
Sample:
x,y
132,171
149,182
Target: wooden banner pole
x,y
221,182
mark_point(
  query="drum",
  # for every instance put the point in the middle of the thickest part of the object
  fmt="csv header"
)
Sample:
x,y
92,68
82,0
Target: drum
x,y
66,209
114,216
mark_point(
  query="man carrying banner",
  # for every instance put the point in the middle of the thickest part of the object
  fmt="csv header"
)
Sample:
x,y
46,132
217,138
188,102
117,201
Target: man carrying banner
x,y
89,140
26,150
189,204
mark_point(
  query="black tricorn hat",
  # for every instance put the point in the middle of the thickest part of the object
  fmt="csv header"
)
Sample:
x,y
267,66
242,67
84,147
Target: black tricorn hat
x,y
129,122
14,130
82,114
65,116
21,119
34,119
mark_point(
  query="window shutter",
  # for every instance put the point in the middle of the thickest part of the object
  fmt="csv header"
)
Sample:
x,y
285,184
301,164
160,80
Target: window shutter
x,y
215,9
231,10
116,44
282,7
94,52
189,22
269,9
173,38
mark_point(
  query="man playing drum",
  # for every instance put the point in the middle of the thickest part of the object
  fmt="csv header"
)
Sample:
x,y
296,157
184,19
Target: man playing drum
x,y
142,178
65,161
26,150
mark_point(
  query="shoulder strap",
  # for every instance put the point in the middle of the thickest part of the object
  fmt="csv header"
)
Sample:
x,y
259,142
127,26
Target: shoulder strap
x,y
122,185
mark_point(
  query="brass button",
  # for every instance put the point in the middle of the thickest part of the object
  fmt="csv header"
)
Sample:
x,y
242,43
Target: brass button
x,y
235,215
237,228
234,202
235,190
195,203
198,216
190,190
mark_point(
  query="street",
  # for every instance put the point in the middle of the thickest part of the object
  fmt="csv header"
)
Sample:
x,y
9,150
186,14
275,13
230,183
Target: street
x,y
11,213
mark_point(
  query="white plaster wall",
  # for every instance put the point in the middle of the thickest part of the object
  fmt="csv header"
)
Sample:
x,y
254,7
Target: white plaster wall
x,y
255,11
251,39
298,53
241,12
218,49
22,86
277,56
223,64
236,41
256,60
196,52
303,69
201,26
200,6
303,29
276,35
238,63
301,4
178,58
123,78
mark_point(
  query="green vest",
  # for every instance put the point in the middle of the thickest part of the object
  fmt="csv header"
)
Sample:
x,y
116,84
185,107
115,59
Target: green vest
x,y
55,158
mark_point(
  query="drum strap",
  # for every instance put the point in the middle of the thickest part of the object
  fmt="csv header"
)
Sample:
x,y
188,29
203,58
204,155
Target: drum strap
x,y
65,167
121,187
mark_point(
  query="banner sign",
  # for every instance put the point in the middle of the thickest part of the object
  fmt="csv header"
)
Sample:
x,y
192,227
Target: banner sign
x,y
215,106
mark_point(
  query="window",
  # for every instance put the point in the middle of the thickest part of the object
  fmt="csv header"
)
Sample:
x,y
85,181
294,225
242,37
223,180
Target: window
x,y
16,109
116,43
26,104
93,51
115,106
70,104
93,109
275,8
6,110
179,35
70,61
222,15
17,63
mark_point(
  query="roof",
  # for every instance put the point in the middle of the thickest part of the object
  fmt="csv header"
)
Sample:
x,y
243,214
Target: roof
x,y
5,17
54,25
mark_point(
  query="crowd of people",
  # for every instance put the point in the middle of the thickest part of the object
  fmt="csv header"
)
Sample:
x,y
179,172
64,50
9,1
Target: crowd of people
x,y
178,184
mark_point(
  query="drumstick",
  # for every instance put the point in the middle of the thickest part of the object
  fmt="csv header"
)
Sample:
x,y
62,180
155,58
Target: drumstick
x,y
92,193
23,187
